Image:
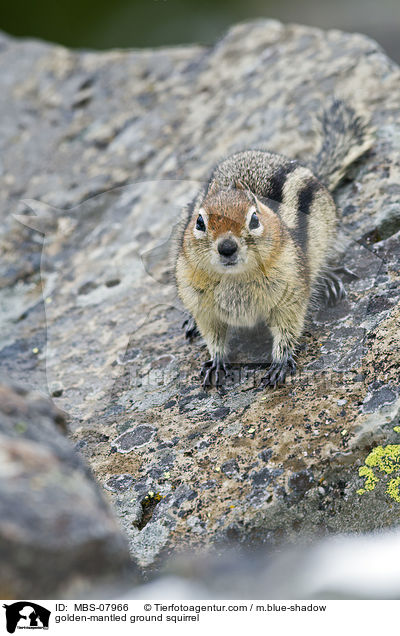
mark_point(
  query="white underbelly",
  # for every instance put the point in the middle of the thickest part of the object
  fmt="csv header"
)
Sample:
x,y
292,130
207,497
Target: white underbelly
x,y
240,304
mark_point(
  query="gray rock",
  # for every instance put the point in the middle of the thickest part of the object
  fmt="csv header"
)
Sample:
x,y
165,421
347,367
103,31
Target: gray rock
x,y
377,399
134,438
119,483
57,534
230,468
109,328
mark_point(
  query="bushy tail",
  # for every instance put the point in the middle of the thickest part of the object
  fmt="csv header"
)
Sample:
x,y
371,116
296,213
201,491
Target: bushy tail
x,y
346,137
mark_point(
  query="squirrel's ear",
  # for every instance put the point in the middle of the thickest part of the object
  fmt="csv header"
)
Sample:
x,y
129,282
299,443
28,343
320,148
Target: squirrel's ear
x,y
261,206
240,185
213,187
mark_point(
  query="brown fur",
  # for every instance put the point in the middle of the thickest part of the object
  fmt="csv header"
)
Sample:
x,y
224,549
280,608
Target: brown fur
x,y
267,280
274,271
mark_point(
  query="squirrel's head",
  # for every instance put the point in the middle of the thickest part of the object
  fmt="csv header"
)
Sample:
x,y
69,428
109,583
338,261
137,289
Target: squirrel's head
x,y
232,232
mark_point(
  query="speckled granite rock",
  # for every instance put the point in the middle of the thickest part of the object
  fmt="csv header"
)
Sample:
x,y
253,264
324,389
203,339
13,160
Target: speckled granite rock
x,y
57,535
186,467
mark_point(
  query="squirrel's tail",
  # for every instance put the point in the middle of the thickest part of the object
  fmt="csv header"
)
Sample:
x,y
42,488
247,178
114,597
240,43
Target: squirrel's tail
x,y
346,137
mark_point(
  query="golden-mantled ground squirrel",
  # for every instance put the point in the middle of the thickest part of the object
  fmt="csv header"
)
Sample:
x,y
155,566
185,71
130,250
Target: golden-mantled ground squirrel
x,y
256,242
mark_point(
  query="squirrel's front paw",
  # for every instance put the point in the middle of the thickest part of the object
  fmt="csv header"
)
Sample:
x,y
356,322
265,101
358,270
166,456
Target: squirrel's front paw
x,y
214,371
278,371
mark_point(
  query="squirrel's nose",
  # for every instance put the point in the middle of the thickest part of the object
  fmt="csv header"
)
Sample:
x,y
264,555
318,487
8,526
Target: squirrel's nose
x,y
227,247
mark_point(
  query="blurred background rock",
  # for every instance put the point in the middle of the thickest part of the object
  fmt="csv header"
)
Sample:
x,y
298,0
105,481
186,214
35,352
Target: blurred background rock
x,y
213,468
101,24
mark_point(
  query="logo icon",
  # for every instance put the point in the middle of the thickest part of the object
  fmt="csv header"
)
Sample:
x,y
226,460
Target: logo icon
x,y
26,615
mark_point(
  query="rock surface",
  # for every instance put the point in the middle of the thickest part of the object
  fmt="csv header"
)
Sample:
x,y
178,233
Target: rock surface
x,y
142,129
57,535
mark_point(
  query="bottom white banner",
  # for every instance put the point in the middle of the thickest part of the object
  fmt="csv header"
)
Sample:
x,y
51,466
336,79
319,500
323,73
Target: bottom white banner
x,y
175,617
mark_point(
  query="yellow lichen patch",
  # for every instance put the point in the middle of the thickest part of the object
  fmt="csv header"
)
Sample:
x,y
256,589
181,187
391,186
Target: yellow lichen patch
x,y
151,497
370,478
396,429
386,458
393,489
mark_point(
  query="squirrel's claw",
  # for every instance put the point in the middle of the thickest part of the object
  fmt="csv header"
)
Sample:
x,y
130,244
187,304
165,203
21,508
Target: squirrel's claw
x,y
191,330
342,269
334,290
214,366
278,371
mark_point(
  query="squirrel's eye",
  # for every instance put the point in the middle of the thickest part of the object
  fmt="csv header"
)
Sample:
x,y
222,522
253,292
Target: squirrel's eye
x,y
200,225
254,222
